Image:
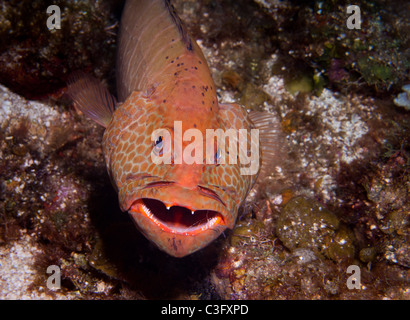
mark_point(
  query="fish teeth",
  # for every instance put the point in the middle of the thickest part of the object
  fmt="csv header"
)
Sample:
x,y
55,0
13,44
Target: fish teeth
x,y
168,207
192,211
147,209
148,212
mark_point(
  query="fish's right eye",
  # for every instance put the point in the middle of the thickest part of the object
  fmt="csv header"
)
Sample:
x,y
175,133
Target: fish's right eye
x,y
158,145
161,151
158,142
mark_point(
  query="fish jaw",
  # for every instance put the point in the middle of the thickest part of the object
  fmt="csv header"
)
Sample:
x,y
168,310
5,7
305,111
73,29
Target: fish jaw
x,y
176,241
179,221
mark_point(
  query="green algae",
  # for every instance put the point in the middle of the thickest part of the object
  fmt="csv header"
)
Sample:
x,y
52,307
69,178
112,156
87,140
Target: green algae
x,y
375,72
396,221
369,254
304,223
246,232
253,97
98,260
303,84
340,246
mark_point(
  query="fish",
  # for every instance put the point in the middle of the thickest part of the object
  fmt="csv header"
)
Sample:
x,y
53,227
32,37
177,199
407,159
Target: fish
x,y
179,159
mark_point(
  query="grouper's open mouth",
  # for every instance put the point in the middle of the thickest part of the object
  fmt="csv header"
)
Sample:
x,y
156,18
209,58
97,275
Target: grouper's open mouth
x,y
178,219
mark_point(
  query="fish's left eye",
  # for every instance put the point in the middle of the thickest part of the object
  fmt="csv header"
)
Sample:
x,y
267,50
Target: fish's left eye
x,y
218,156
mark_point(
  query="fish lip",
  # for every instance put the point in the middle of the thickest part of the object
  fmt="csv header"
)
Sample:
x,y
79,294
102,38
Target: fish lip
x,y
150,207
201,189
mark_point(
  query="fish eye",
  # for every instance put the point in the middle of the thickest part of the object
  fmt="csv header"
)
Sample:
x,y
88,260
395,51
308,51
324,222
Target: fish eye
x,y
218,156
158,145
158,142
161,146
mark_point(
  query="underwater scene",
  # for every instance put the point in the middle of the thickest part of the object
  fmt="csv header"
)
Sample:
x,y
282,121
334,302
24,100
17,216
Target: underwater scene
x,y
85,211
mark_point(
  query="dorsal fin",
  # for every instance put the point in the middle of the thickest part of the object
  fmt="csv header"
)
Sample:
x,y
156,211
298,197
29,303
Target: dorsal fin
x,y
186,39
151,36
91,97
271,140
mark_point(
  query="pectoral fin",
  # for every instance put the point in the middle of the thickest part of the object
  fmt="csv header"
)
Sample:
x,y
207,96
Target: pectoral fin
x,y
270,138
91,97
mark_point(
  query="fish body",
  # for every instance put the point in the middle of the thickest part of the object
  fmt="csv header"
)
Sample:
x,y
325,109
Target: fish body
x,y
165,90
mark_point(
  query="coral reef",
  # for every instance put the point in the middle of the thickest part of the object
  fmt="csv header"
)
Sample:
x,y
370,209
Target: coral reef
x,y
36,61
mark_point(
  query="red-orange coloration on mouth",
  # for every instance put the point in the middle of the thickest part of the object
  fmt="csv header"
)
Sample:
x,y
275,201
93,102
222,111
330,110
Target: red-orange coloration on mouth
x,y
176,230
177,219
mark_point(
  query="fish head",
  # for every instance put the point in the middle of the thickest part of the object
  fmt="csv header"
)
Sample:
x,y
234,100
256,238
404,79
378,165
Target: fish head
x,y
180,202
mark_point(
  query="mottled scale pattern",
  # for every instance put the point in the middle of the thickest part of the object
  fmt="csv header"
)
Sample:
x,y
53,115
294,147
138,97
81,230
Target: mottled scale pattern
x,y
163,79
126,144
127,147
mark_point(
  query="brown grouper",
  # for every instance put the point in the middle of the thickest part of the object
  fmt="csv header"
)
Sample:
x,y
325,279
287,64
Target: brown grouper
x,y
182,162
